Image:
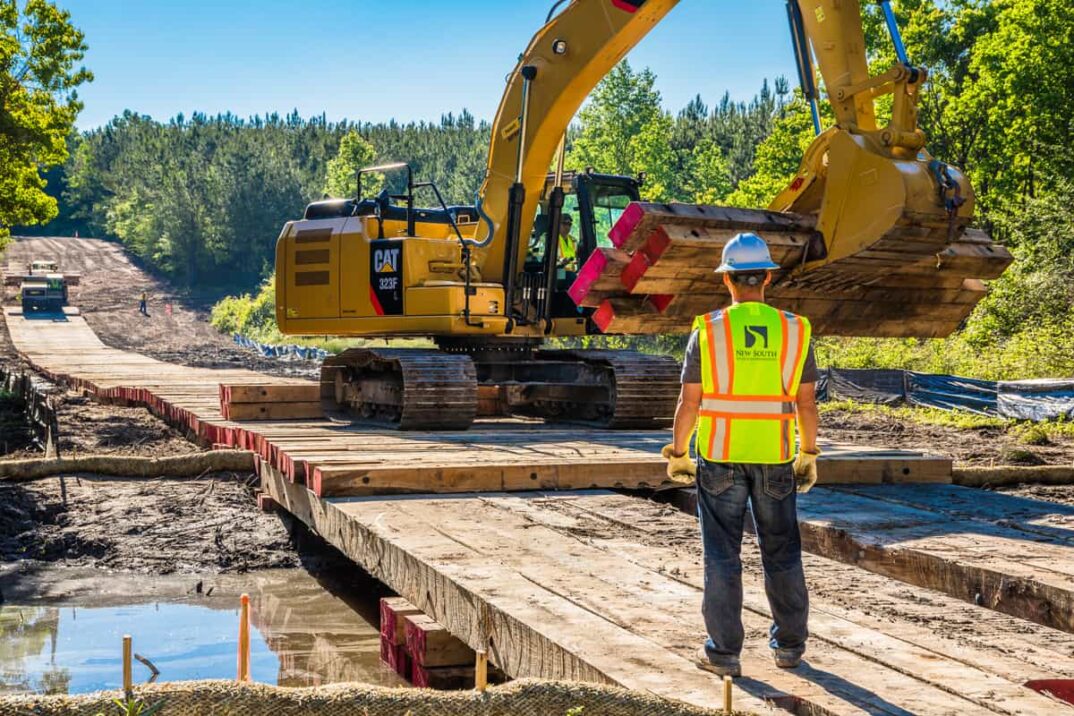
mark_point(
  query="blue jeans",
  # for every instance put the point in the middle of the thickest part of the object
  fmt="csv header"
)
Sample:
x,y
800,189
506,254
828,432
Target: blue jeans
x,y
723,490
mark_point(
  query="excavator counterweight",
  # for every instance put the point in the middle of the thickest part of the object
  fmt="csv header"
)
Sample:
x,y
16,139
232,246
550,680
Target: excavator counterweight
x,y
872,234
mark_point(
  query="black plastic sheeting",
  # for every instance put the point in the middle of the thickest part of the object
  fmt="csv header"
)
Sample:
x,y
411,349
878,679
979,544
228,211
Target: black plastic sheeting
x,y
1037,399
1021,400
949,392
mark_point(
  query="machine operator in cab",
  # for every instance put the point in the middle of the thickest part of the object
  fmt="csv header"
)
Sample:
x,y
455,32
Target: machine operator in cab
x,y
568,245
748,380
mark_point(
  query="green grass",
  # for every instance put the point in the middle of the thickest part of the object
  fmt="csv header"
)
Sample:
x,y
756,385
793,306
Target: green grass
x,y
960,419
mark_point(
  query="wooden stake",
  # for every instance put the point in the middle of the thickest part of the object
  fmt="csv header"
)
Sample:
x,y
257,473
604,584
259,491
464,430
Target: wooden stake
x,y
481,671
728,707
128,677
244,638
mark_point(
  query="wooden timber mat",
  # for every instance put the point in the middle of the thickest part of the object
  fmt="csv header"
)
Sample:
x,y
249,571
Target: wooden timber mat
x,y
597,586
337,459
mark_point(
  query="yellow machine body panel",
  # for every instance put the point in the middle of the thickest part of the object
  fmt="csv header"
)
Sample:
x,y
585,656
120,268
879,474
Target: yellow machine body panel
x,y
332,278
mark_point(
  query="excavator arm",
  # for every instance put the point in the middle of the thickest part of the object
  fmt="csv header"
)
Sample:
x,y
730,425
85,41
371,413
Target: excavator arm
x,y
566,59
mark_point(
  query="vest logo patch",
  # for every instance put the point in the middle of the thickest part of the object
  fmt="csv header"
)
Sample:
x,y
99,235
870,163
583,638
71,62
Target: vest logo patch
x,y
756,333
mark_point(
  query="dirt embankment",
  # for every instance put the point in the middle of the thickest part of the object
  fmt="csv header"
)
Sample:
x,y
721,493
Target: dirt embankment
x,y
983,446
164,526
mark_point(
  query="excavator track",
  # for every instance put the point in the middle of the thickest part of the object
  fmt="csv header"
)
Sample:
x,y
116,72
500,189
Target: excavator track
x,y
640,391
403,388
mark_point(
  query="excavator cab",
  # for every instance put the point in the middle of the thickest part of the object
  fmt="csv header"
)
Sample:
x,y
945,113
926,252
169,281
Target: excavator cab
x,y
592,204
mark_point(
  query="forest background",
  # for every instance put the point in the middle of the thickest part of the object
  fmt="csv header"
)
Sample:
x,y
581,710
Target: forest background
x,y
201,199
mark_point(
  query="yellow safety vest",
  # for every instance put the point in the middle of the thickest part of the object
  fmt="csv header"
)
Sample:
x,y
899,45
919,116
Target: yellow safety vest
x,y
752,356
568,251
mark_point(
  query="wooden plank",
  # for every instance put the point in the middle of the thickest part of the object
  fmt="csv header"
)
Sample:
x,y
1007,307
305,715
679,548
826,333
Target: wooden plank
x,y
640,219
306,392
932,641
273,411
599,274
431,645
393,614
1011,570
686,252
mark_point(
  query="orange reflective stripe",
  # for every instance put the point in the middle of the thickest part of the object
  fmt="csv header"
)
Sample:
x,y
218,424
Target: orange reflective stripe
x,y
727,438
712,363
721,427
785,441
712,348
783,349
745,416
730,354
799,348
750,398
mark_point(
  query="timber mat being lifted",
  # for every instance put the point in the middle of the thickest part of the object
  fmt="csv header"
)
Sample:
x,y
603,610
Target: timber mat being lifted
x,y
190,465
228,698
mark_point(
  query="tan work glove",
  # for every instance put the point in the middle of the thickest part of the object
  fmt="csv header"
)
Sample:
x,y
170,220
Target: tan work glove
x,y
680,469
805,470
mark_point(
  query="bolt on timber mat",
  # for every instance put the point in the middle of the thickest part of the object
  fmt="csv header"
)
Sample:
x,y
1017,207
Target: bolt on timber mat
x,y
524,697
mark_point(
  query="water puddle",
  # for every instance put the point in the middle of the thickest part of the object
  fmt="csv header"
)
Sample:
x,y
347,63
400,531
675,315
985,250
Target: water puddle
x,y
61,630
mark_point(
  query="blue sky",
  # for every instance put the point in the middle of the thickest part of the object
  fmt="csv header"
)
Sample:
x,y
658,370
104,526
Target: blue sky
x,y
377,59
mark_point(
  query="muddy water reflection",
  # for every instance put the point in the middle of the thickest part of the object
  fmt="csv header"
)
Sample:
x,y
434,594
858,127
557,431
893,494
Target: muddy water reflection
x,y
66,639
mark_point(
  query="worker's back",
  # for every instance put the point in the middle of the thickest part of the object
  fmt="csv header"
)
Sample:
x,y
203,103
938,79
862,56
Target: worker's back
x,y
752,361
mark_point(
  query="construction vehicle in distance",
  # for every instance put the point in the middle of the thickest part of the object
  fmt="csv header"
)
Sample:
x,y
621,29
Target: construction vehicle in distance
x,y
872,236
43,288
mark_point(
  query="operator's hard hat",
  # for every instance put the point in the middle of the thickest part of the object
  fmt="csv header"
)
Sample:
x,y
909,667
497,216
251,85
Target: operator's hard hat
x,y
746,252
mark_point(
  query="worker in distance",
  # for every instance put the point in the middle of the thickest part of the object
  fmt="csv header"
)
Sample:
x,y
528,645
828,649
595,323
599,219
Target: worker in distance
x,y
748,379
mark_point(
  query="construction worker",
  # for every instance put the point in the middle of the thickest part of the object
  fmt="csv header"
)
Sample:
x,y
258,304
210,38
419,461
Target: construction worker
x,y
568,246
748,377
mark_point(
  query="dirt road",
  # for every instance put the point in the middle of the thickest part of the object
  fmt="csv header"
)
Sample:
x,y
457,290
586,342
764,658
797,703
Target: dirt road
x,y
177,328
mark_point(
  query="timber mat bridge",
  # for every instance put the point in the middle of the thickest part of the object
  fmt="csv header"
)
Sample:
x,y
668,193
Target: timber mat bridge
x,y
927,598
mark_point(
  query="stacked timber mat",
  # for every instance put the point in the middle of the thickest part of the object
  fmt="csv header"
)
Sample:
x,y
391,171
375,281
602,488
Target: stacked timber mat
x,y
922,282
340,459
422,651
267,401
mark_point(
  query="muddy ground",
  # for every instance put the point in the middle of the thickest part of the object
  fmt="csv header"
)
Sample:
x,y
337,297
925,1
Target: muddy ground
x,y
1062,494
984,446
165,526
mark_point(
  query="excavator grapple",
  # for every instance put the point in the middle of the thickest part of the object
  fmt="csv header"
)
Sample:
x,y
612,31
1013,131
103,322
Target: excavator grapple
x,y
873,235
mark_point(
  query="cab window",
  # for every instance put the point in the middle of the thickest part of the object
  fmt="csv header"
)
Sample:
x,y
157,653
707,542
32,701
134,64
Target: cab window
x,y
540,226
608,205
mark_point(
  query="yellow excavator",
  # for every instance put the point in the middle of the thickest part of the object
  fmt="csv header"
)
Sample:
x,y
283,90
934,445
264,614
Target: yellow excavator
x,y
875,230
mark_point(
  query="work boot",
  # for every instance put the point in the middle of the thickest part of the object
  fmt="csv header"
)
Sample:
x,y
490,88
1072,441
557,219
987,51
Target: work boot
x,y
786,658
730,668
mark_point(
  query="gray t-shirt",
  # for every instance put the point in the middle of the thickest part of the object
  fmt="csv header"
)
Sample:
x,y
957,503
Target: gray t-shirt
x,y
691,365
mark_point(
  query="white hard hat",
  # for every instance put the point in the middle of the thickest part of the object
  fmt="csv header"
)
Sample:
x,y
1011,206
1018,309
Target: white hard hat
x,y
746,252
